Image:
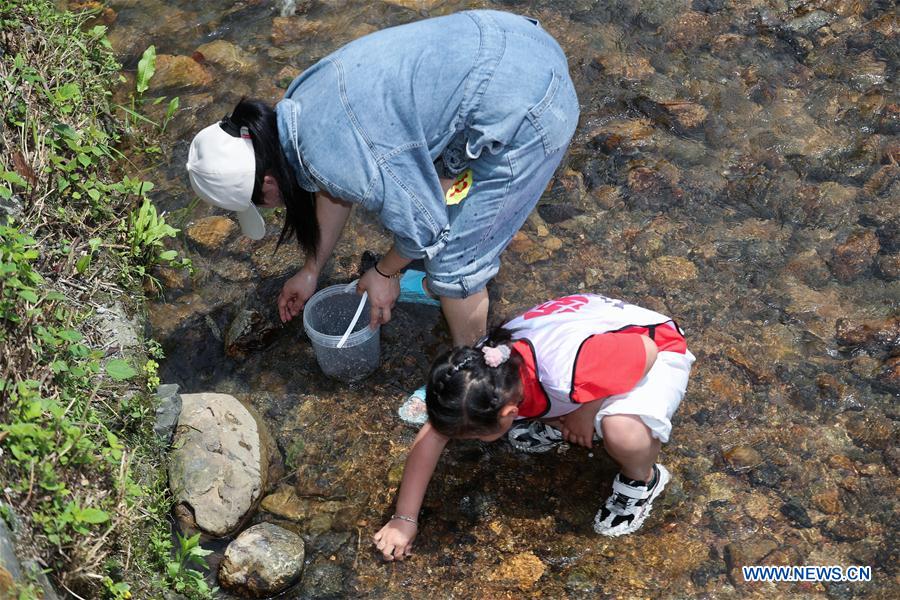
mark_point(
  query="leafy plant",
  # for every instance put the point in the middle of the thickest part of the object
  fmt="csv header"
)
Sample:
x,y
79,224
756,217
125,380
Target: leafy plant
x,y
145,70
171,108
181,574
120,370
147,231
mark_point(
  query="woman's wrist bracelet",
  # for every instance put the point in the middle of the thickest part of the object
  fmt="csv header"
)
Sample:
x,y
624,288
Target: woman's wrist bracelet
x,y
394,276
405,518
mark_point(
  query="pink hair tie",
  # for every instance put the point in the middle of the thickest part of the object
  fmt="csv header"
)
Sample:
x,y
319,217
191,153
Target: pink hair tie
x,y
495,356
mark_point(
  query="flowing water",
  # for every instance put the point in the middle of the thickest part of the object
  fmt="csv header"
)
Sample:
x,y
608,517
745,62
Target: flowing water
x,y
735,166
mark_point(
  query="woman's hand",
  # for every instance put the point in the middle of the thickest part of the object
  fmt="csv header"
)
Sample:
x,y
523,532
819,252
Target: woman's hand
x,y
383,294
578,425
395,539
295,292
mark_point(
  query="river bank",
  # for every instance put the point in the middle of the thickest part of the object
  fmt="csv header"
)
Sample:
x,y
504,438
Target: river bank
x,y
83,499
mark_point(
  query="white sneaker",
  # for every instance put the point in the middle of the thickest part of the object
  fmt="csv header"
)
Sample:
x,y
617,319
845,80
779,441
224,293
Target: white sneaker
x,y
630,503
534,437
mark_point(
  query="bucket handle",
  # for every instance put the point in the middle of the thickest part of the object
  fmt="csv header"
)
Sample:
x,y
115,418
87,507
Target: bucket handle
x,y
351,287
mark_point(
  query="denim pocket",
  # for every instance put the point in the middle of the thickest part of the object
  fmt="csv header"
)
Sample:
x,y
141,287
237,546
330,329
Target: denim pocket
x,y
556,115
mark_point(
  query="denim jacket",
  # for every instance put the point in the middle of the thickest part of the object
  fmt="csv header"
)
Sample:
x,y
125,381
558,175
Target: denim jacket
x,y
367,122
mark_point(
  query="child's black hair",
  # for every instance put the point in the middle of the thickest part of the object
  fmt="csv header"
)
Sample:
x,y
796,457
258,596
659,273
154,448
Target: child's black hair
x,y
464,395
259,117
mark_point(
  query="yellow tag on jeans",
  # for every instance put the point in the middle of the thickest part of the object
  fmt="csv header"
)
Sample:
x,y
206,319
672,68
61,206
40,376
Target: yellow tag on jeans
x,y
460,188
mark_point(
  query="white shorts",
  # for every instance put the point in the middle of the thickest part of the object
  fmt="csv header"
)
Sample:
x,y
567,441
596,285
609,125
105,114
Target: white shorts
x,y
656,397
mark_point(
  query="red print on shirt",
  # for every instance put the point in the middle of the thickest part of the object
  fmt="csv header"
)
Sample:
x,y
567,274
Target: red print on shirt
x,y
568,304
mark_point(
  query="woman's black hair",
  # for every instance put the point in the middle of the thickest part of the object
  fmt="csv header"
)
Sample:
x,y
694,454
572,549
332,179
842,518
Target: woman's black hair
x,y
464,395
259,118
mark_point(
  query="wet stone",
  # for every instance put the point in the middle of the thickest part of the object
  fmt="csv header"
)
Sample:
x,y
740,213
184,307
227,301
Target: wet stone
x,y
846,529
226,55
285,503
888,266
624,66
178,72
742,458
626,136
889,377
230,269
796,514
810,22
718,487
557,213
885,332
854,257
262,561
217,465
211,233
583,579
292,29
828,502
323,579
766,475
249,331
521,571
870,429
749,552
689,30
672,270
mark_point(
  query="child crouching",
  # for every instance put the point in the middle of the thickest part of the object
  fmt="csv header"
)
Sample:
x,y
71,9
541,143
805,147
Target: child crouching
x,y
578,369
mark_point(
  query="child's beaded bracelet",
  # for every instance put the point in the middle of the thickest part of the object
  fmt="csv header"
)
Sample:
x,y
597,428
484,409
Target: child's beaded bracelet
x,y
405,518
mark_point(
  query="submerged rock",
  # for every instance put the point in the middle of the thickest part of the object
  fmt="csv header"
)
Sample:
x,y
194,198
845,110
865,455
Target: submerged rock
x,y
218,464
889,377
672,270
885,333
178,72
262,561
796,514
211,232
323,579
870,429
227,56
521,571
743,458
249,330
854,257
291,29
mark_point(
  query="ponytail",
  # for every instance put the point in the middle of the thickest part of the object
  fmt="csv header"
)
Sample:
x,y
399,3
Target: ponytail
x,y
300,220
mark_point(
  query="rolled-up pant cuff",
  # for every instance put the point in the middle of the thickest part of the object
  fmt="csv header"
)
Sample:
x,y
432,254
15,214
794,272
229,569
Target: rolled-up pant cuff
x,y
461,287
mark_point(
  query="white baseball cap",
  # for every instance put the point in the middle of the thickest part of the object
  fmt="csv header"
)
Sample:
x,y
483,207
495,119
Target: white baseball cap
x,y
222,168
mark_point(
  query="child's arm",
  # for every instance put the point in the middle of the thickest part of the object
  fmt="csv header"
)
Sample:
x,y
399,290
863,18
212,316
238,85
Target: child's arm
x,y
578,425
394,540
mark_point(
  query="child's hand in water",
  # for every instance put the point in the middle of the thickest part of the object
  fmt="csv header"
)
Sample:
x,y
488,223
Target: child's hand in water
x,y
578,426
394,540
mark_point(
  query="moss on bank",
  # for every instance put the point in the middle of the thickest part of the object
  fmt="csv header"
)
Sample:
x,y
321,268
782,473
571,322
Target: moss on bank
x,y
79,462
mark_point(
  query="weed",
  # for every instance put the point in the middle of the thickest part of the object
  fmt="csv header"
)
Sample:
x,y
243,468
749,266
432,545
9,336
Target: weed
x,y
184,578
81,466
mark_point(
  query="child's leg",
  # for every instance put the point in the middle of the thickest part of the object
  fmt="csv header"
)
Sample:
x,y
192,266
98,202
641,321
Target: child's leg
x,y
629,442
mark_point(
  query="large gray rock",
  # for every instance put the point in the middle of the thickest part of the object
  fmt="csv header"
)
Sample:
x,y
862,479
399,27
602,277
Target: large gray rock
x,y
262,561
218,464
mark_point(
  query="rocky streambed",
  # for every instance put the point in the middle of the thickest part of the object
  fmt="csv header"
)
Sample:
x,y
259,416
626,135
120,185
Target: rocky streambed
x,y
736,166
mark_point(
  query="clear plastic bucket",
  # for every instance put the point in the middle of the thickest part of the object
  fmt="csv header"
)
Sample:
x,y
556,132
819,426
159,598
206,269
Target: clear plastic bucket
x,y
326,317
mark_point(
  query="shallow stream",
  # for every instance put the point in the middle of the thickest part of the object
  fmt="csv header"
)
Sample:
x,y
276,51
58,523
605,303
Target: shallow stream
x,y
735,166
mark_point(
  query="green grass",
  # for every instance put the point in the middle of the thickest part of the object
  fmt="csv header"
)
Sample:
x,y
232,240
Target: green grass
x,y
82,468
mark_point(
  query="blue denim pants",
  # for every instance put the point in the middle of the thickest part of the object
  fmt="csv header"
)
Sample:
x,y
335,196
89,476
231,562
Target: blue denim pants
x,y
511,159
484,90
